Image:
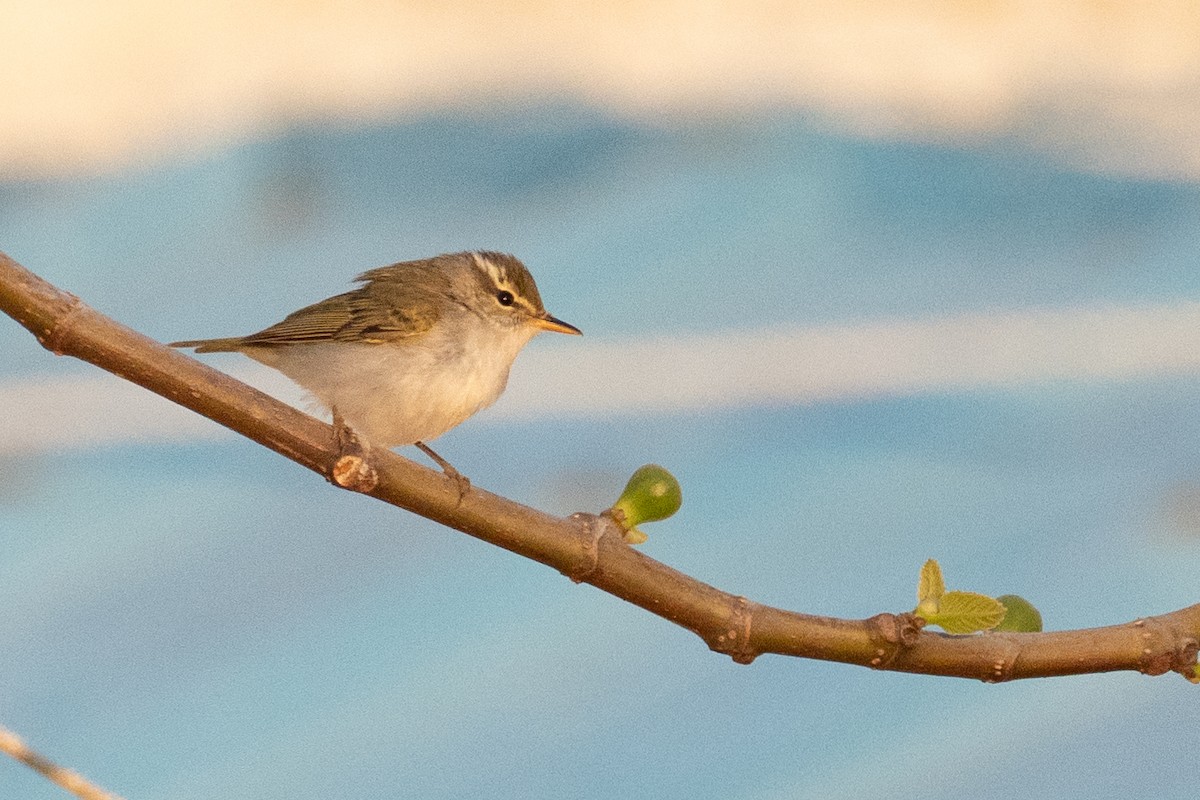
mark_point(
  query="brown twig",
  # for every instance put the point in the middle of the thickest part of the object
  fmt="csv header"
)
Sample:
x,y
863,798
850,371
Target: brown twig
x,y
587,547
73,782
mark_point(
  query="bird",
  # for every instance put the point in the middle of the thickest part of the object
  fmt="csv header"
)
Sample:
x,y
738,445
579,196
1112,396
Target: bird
x,y
416,349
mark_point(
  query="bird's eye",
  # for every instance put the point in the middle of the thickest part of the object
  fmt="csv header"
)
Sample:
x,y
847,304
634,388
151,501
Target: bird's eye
x,y
505,298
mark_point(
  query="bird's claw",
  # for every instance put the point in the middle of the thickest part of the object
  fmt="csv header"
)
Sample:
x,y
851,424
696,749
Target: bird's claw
x,y
460,481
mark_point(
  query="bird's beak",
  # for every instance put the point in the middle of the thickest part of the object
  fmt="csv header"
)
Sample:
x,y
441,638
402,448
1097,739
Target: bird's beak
x,y
549,323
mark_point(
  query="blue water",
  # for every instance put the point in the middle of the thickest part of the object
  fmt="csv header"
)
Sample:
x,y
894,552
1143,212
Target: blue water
x,y
210,620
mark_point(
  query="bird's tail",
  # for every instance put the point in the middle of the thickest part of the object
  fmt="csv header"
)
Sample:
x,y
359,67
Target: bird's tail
x,y
230,345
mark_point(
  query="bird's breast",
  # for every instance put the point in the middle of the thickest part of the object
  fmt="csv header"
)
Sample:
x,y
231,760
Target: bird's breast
x,y
406,391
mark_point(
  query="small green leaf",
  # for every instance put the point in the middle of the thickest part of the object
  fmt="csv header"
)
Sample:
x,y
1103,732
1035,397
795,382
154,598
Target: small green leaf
x,y
1021,616
930,586
651,494
967,612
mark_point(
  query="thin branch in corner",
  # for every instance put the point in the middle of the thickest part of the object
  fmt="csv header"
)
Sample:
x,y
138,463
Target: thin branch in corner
x,y
73,782
590,548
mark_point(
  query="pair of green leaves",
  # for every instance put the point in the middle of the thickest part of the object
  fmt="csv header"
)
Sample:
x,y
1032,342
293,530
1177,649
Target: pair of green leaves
x,y
971,612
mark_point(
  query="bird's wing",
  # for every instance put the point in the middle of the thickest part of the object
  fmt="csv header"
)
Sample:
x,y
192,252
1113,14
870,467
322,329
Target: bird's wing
x,y
373,314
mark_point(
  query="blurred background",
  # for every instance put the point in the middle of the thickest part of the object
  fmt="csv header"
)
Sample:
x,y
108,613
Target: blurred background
x,y
879,282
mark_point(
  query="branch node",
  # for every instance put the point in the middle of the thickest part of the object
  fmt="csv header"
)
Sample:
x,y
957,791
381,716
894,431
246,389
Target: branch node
x,y
56,337
354,473
1186,662
1165,648
1158,647
352,470
591,531
1003,666
893,633
734,640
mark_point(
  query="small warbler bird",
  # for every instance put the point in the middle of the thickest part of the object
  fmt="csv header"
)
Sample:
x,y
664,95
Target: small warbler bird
x,y
412,352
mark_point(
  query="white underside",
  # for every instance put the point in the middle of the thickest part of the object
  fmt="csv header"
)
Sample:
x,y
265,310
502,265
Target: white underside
x,y
395,394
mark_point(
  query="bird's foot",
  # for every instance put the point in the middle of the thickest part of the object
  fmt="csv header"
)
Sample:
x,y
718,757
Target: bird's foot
x,y
461,481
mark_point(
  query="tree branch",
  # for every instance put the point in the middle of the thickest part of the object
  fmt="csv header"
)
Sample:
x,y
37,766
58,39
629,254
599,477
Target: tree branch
x,y
73,782
585,547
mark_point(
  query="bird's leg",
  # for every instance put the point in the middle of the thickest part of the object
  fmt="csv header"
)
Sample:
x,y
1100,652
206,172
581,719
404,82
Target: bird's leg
x,y
463,482
344,436
352,469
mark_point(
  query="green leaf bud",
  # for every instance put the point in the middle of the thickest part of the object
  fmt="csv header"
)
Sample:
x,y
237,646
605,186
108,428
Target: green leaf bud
x,y
1020,616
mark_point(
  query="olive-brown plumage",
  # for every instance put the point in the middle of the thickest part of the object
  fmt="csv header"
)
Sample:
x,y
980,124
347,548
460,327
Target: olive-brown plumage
x,y
416,349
